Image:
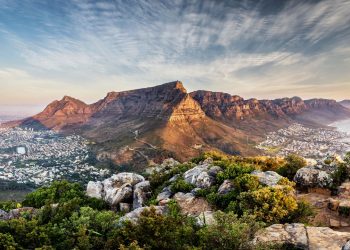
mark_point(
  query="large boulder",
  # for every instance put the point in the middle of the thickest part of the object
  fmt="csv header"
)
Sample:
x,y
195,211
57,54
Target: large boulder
x,y
200,177
190,204
302,237
95,189
142,192
3,215
269,178
116,189
205,219
313,177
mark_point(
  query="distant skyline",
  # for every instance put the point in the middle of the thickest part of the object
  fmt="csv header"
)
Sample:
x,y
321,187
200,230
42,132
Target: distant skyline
x,y
264,49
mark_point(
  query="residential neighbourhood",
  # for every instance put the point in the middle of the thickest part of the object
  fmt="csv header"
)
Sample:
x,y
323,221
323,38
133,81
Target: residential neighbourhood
x,y
40,157
307,142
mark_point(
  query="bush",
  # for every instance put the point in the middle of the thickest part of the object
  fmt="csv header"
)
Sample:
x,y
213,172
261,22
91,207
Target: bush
x,y
230,232
302,214
7,242
268,204
246,182
339,175
293,164
180,185
62,192
9,205
232,171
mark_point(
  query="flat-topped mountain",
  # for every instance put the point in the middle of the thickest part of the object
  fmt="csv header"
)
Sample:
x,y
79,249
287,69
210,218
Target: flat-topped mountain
x,y
161,121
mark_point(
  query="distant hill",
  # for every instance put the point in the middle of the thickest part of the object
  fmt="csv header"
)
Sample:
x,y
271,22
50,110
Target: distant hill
x,y
345,103
153,123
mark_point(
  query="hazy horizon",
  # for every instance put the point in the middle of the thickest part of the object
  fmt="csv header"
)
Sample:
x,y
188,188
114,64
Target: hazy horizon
x,y
255,49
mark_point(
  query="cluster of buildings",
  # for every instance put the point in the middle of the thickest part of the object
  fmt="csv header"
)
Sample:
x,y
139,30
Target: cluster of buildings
x,y
308,142
40,157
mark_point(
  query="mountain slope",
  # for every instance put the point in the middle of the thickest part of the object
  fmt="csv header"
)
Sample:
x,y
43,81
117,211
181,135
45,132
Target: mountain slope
x,y
345,103
151,123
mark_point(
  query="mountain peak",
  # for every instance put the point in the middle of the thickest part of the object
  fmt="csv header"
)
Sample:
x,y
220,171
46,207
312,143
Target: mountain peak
x,y
174,85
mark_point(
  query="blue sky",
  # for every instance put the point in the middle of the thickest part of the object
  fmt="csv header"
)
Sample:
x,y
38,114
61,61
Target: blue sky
x,y
263,49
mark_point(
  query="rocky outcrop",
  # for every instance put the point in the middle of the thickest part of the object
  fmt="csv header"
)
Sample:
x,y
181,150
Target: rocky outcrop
x,y
226,187
311,177
191,205
142,192
121,188
269,178
302,237
202,176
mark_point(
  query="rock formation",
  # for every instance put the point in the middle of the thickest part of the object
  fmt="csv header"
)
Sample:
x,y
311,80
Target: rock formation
x,y
303,237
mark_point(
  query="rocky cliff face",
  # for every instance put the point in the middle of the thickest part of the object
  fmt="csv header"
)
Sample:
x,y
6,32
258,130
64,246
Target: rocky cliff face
x,y
183,124
227,107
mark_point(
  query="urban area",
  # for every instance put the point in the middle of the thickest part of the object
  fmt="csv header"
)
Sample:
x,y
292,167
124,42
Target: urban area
x,y
308,142
40,157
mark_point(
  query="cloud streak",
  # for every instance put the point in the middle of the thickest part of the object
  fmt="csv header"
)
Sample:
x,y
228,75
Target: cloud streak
x,y
242,47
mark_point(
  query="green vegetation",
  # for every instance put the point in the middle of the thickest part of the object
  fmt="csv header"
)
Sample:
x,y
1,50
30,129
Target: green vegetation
x,y
67,219
292,165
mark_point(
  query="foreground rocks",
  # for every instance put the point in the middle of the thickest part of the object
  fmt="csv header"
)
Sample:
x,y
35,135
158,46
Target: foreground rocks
x,y
303,237
313,177
268,178
121,188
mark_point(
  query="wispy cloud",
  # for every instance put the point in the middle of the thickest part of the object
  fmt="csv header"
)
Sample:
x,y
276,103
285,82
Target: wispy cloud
x,y
243,47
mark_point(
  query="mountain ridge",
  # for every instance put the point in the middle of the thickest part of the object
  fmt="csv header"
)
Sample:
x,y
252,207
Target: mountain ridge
x,y
177,123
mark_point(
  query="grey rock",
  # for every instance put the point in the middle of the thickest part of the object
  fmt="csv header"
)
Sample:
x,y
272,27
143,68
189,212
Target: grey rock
x,y
214,170
199,176
174,178
302,237
135,215
125,207
206,218
269,178
226,187
142,192
165,194
122,194
3,215
94,189
346,246
312,177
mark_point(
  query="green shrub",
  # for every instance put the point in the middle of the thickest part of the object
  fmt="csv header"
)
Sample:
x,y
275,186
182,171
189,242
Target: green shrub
x,y
230,232
61,192
292,165
7,242
339,175
180,185
269,204
232,171
9,205
302,214
246,182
